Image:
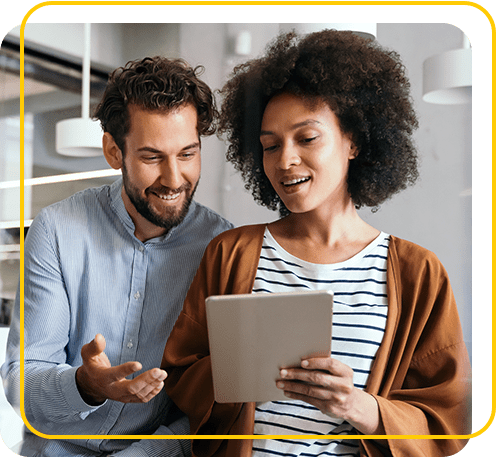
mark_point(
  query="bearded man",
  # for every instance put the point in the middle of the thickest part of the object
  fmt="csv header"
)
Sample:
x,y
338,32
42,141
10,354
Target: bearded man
x,y
106,273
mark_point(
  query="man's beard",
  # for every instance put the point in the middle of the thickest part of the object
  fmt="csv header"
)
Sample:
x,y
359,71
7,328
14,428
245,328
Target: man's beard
x,y
171,217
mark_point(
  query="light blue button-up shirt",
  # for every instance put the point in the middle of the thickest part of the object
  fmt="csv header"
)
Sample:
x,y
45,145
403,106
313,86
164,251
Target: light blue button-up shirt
x,y
86,273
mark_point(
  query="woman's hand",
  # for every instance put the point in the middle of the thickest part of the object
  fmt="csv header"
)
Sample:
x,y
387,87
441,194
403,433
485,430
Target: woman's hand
x,y
327,384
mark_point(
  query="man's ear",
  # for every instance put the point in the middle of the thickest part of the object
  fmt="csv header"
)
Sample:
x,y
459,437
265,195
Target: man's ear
x,y
113,155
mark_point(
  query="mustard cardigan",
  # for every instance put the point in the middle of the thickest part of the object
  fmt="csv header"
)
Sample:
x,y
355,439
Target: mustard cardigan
x,y
420,376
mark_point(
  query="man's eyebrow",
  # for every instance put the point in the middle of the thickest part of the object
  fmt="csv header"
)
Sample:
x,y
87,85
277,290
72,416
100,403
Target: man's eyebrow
x,y
150,149
295,126
191,146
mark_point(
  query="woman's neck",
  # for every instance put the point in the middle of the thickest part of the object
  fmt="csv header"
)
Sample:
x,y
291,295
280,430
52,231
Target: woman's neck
x,y
323,239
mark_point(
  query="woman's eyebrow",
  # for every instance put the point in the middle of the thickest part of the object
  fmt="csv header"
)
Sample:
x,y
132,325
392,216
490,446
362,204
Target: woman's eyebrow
x,y
295,126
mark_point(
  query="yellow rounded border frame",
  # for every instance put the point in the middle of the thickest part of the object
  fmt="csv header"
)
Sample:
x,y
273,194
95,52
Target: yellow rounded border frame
x,y
262,3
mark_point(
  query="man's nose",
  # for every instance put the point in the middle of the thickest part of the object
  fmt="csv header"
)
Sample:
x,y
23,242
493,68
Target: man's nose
x,y
171,175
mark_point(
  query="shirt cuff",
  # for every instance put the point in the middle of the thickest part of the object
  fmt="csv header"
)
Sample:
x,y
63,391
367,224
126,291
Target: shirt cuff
x,y
71,393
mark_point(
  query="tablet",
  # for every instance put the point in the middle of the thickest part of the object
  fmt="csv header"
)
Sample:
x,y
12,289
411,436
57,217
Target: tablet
x,y
251,336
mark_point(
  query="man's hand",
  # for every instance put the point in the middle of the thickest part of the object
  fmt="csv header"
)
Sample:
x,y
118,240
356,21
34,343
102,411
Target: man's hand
x,y
97,380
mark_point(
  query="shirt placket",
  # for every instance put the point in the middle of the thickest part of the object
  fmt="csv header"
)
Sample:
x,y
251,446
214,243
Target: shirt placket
x,y
135,305
132,328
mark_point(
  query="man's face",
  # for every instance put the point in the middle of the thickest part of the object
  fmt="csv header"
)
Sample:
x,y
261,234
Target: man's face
x,y
161,168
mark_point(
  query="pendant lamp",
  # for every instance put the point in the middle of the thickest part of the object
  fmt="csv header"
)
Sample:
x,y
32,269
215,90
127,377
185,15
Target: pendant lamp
x,y
447,77
81,137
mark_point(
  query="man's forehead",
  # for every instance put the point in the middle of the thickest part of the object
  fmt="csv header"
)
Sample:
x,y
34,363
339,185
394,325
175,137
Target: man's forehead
x,y
137,109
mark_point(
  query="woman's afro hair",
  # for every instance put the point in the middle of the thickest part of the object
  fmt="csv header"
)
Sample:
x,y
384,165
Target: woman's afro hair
x,y
364,85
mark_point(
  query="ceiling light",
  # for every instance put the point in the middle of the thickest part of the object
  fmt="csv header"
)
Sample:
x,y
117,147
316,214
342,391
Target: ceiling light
x,y
81,137
447,77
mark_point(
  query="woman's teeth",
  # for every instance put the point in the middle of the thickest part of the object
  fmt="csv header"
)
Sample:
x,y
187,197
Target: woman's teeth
x,y
295,181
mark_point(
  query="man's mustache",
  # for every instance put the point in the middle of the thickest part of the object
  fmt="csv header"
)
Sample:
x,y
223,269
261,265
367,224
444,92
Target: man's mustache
x,y
166,190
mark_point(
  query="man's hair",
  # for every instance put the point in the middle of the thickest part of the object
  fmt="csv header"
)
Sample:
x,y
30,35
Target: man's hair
x,y
154,83
364,85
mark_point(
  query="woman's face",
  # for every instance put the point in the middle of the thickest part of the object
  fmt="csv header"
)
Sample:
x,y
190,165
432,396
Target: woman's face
x,y
306,155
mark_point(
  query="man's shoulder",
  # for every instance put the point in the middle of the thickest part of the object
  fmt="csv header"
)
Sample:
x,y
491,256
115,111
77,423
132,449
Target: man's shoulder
x,y
75,211
81,200
207,219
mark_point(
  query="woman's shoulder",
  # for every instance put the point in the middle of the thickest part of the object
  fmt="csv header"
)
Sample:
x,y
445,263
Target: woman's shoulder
x,y
241,237
240,234
413,257
406,248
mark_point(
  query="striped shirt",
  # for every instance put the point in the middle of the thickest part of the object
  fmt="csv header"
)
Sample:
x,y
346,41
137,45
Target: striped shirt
x,y
359,318
87,273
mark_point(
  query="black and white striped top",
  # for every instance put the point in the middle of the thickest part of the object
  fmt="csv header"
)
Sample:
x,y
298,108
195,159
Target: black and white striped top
x,y
359,318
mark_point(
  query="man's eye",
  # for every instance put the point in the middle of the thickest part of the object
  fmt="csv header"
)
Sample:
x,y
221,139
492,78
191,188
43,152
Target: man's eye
x,y
309,139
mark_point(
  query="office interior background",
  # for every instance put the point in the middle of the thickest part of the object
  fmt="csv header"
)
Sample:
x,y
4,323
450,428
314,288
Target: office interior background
x,y
435,213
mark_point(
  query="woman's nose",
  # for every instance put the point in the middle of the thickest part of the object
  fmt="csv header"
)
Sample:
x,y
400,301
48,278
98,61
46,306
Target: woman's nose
x,y
289,156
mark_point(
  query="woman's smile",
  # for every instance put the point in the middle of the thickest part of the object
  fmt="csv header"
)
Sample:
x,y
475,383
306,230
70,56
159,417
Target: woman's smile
x,y
306,154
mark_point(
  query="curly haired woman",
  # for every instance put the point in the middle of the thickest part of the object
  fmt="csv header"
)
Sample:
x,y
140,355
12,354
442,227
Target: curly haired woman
x,y
320,126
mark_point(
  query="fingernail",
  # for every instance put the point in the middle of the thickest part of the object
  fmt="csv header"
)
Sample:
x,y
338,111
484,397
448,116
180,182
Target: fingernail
x,y
158,374
283,373
280,385
305,363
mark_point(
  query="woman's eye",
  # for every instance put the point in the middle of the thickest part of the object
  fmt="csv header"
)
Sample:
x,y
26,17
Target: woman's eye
x,y
309,139
269,148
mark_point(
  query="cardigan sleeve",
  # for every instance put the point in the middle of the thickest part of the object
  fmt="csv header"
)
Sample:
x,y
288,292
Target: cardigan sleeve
x,y
426,386
186,358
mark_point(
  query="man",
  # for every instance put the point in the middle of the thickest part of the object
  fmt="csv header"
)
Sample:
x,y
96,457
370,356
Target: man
x,y
106,273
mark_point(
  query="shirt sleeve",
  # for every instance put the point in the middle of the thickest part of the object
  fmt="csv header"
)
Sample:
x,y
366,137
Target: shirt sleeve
x,y
50,391
162,447
187,360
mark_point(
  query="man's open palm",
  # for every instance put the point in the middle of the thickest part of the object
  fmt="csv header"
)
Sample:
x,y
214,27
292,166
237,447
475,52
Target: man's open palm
x,y
97,380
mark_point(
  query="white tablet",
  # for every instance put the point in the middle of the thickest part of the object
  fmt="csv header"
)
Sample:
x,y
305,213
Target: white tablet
x,y
252,336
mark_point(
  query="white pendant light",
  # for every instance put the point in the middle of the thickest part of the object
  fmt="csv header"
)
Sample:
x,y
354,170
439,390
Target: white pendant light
x,y
365,30
81,137
447,77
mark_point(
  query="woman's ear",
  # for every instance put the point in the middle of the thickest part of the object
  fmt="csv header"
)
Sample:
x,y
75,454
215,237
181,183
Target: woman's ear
x,y
113,154
354,151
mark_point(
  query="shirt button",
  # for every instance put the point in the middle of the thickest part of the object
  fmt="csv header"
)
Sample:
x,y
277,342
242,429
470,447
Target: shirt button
x,y
137,295
130,344
141,248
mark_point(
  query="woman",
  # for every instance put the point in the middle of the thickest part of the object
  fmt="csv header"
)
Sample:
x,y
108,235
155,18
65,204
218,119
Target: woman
x,y
319,127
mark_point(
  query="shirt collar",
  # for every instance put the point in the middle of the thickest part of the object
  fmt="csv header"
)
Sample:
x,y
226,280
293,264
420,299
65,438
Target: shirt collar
x,y
117,204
